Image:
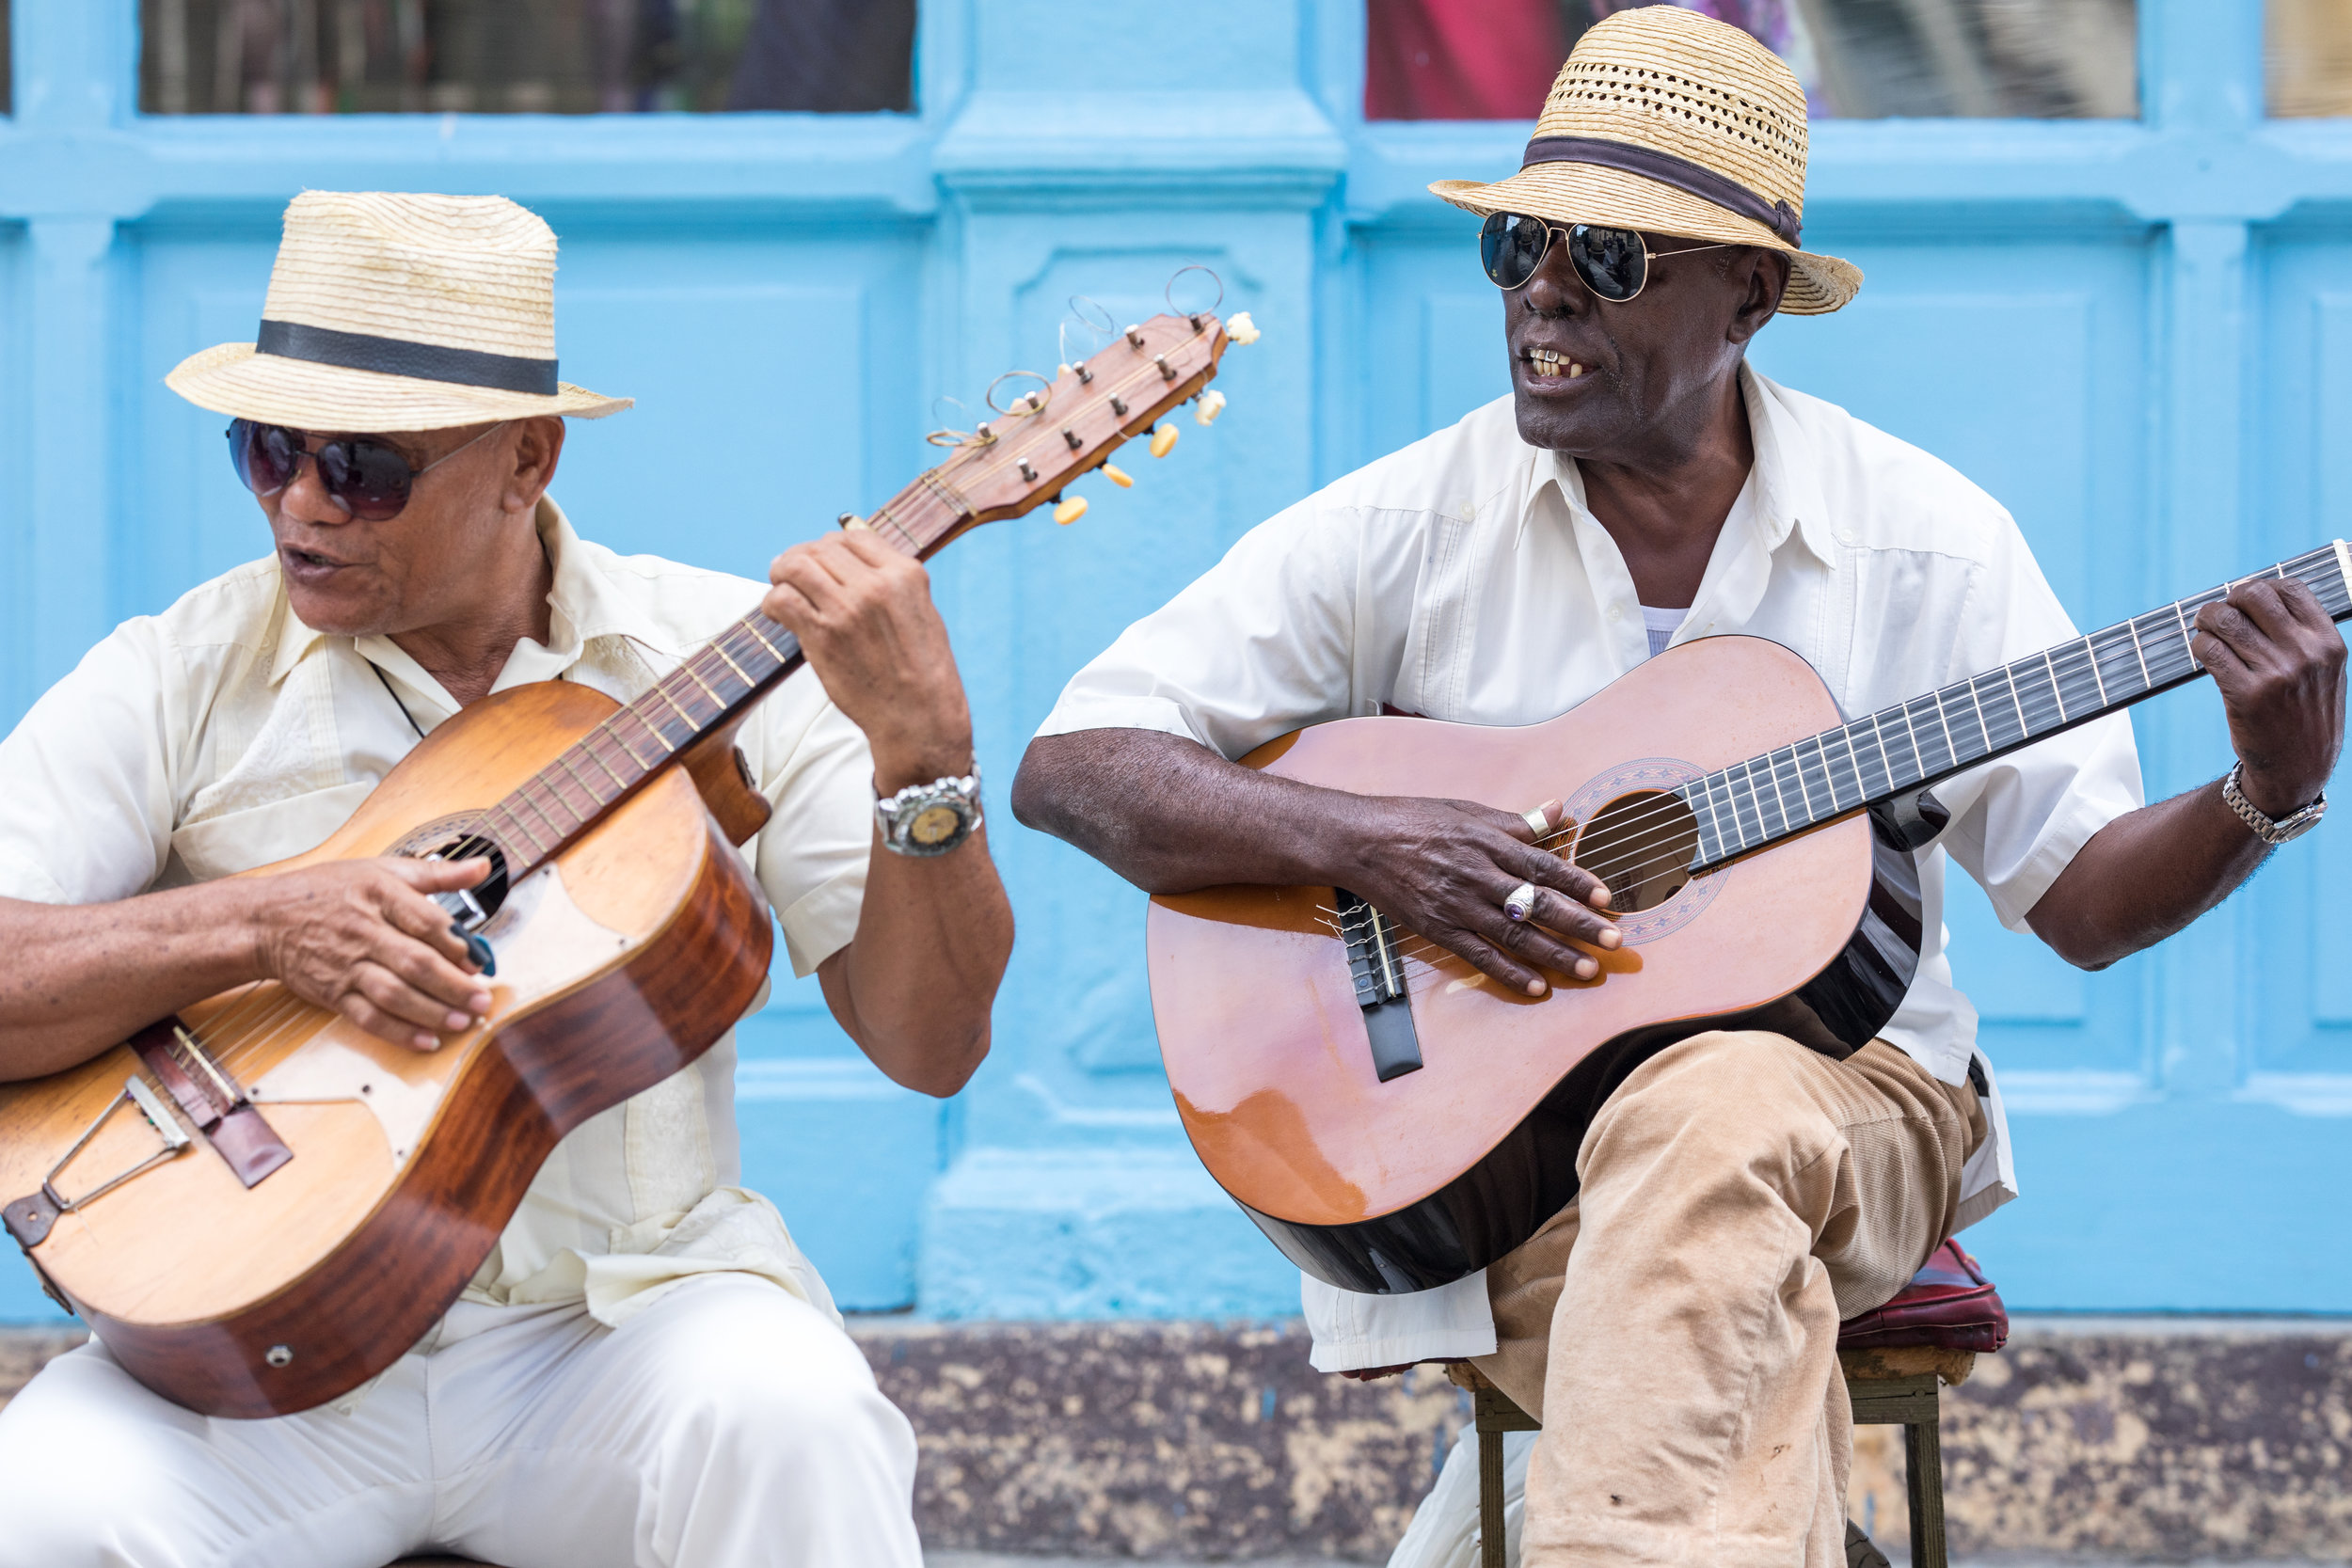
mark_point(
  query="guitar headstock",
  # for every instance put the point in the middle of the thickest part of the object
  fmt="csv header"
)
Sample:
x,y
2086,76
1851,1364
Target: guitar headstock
x,y
1068,427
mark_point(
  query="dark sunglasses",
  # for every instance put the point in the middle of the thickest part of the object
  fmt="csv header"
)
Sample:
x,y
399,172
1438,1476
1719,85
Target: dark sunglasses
x,y
367,478
1612,263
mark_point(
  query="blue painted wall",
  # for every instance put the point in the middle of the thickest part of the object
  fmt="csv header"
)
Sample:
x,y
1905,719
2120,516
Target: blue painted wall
x,y
2133,333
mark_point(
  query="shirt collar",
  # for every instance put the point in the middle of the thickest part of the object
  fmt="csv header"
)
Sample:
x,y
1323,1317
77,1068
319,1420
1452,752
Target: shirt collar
x,y
583,604
1789,490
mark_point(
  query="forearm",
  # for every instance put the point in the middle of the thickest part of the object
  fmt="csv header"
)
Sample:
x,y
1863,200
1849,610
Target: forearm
x,y
914,988
2144,877
1171,815
80,978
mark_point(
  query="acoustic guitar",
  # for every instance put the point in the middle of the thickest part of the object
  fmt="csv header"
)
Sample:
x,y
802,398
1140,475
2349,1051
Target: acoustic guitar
x,y
258,1206
1394,1120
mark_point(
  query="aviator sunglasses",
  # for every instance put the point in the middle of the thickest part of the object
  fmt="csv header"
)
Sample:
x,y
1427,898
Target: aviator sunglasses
x,y
367,478
1612,263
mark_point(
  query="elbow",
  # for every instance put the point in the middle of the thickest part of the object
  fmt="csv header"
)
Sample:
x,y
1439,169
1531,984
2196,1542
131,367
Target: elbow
x,y
1032,797
945,1072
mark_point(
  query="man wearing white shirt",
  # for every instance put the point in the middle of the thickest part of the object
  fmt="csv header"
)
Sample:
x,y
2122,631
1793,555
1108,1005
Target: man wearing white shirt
x,y
1676,1325
644,1369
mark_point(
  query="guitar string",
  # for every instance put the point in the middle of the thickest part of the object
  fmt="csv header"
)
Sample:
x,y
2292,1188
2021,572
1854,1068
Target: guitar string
x,y
2035,717
245,1031
1013,454
1629,852
2053,706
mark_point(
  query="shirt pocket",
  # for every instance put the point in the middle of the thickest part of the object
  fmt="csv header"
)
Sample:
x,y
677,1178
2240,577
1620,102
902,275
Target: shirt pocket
x,y
259,835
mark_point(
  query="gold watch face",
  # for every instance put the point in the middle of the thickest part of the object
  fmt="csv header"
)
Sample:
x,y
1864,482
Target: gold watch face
x,y
934,825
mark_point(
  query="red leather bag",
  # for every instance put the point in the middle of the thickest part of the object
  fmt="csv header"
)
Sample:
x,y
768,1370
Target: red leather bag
x,y
1949,1303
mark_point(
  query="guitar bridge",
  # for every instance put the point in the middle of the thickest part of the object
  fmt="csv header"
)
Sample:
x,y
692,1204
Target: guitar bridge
x,y
1378,969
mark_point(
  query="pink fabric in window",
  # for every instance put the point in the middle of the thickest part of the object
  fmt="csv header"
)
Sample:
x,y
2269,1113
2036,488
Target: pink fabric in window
x,y
1460,59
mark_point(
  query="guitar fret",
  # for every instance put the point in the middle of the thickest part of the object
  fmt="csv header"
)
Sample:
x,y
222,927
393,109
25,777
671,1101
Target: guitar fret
x,y
1779,802
523,795
1984,731
1716,811
1747,798
652,729
1951,753
2187,638
1804,780
1828,776
518,826
587,744
1854,762
1731,804
581,779
662,689
698,680
2147,681
2054,692
719,648
773,651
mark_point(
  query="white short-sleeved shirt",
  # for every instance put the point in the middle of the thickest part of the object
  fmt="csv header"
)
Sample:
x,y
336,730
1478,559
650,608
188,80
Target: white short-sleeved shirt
x,y
223,735
1464,579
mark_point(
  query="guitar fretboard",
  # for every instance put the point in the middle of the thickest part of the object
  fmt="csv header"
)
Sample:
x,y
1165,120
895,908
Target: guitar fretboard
x,y
1913,744
701,696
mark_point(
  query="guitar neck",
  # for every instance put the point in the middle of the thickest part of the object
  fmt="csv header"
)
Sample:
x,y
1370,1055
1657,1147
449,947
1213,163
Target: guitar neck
x,y
1913,745
702,698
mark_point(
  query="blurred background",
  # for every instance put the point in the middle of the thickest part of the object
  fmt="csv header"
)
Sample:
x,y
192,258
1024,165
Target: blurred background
x,y
2106,250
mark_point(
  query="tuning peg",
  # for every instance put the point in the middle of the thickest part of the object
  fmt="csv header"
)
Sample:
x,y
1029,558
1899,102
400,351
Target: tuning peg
x,y
1241,329
1212,404
1060,371
1070,509
1164,439
1118,476
1134,336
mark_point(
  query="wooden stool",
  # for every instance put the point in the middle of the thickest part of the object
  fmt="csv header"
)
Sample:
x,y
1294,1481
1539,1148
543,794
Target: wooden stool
x,y
1894,1385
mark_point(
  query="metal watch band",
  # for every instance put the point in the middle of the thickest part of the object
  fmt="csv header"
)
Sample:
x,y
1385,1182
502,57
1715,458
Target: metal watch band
x,y
2270,831
933,818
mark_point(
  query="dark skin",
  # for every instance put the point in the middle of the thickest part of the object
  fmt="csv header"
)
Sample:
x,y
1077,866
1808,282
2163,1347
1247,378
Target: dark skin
x,y
456,580
1644,395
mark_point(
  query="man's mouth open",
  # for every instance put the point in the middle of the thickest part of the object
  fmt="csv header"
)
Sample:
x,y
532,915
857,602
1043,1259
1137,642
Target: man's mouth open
x,y
1545,364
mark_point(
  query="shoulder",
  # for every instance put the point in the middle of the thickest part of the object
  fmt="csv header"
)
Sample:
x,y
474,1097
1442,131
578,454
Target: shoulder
x,y
1882,493
229,624
1451,472
689,605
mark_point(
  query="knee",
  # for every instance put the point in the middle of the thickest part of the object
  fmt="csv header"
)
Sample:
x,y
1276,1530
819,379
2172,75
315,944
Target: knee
x,y
1727,1099
819,1414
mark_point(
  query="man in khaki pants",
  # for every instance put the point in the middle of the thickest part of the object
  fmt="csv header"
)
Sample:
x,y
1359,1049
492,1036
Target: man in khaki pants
x,y
1675,1325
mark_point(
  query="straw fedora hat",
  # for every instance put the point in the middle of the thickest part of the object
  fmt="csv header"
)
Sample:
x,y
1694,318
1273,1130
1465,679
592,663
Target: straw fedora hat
x,y
390,313
1666,120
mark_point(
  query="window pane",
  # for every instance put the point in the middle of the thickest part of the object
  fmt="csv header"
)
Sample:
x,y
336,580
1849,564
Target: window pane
x,y
2308,52
523,57
1494,59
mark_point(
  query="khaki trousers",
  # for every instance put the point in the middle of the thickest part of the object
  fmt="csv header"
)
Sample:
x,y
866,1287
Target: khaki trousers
x,y
1676,1327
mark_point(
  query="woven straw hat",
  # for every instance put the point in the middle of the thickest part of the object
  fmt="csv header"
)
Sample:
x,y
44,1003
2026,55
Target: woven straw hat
x,y
1669,121
390,313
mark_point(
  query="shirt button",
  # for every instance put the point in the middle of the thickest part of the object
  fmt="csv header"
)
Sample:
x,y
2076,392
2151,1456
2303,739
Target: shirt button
x,y
1844,536
1615,613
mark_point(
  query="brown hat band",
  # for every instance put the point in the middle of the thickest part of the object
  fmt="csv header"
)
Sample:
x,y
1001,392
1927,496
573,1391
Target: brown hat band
x,y
362,351
1667,169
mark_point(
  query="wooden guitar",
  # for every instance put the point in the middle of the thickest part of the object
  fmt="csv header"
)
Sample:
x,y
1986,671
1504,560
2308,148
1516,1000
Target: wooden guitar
x,y
1393,1120
258,1206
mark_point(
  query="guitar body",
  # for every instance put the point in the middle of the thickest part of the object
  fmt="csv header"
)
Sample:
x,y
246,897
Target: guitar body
x,y
619,961
1413,1181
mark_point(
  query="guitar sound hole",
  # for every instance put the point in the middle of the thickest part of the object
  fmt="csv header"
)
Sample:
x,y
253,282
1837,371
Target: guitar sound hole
x,y
1642,846
455,838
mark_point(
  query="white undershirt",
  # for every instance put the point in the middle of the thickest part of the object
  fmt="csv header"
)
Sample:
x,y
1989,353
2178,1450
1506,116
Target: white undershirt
x,y
1661,624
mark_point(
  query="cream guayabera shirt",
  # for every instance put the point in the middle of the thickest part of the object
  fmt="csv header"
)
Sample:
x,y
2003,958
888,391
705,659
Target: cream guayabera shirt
x,y
1464,579
223,735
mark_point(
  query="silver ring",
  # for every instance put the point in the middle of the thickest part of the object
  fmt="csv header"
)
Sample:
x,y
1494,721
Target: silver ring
x,y
1536,822
1522,903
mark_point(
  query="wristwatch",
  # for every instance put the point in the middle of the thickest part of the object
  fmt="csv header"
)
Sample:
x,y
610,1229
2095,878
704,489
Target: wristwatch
x,y
2293,825
932,818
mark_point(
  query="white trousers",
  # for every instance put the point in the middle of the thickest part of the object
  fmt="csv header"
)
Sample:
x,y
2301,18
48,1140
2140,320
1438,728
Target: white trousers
x,y
729,1425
